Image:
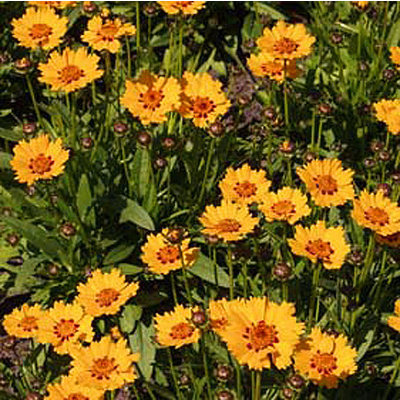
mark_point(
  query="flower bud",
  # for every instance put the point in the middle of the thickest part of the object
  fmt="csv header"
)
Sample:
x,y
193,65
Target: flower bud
x,y
144,138
68,230
168,143
29,128
325,108
199,318
33,396
386,189
287,393
369,163
377,146
225,395
22,65
149,9
212,240
160,163
287,147
282,271
270,113
384,155
296,381
309,156
87,143
120,128
216,129
53,269
396,177
184,379
388,74
12,239
223,372
336,38
89,7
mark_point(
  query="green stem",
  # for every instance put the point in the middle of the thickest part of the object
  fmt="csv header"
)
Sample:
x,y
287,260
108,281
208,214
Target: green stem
x,y
257,394
245,278
180,59
173,287
208,162
286,104
313,130
173,373
205,366
392,379
128,56
230,267
138,28
187,287
321,122
126,170
314,289
33,97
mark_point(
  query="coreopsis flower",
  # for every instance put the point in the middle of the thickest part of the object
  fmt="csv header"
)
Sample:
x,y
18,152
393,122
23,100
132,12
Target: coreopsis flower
x,y
69,389
105,34
104,365
54,4
38,159
70,70
394,320
287,204
65,325
105,293
361,4
23,322
286,41
388,111
261,333
319,243
395,55
175,328
203,100
325,359
39,28
184,7
162,256
218,313
392,240
150,98
264,64
228,221
377,212
327,182
244,185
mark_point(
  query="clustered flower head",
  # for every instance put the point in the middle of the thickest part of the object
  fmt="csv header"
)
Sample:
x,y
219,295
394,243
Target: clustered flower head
x,y
388,111
97,366
278,49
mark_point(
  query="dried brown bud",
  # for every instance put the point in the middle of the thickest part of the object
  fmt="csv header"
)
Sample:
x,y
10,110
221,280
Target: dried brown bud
x,y
270,113
309,156
53,269
377,146
225,395
29,128
68,230
217,129
369,163
384,156
199,318
336,38
396,177
22,65
120,128
176,235
150,9
223,372
33,396
160,163
282,271
168,143
12,239
144,138
212,240
89,7
388,74
296,381
287,147
356,257
87,143
6,211
287,393
184,379
386,189
30,190
325,108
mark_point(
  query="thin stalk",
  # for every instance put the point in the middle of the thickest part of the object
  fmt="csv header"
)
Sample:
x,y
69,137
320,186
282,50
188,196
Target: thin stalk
x,y
73,117
126,170
136,392
392,378
245,278
313,130
230,267
138,28
180,48
33,97
173,373
257,394
205,366
173,287
314,289
187,287
321,122
207,169
286,104
128,56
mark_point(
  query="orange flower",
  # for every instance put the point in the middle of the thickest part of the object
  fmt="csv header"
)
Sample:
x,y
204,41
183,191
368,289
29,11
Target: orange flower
x,y
184,7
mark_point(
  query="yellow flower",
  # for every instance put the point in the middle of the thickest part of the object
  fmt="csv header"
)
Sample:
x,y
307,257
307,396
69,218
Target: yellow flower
x,y
23,322
327,182
64,325
286,205
264,64
68,389
105,293
395,55
185,7
392,240
55,4
203,100
261,333
104,365
162,256
150,98
325,359
218,313
175,328
104,34
286,41
229,221
361,4
394,320
70,70
39,28
319,243
388,111
244,185
38,159
377,212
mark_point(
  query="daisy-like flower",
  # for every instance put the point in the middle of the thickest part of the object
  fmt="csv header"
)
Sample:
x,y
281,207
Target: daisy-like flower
x,y
325,359
395,55
262,333
203,100
388,111
286,41
286,205
150,98
264,64
162,256
361,4
319,243
392,240
68,389
105,293
377,212
23,322
70,70
54,4
327,182
38,159
229,221
394,320
184,7
218,313
64,325
39,28
244,185
175,328
104,365
105,34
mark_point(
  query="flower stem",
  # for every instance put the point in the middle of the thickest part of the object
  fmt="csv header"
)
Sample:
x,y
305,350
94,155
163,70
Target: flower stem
x,y
33,97
173,373
257,391
205,365
128,56
285,96
314,289
207,168
173,287
230,267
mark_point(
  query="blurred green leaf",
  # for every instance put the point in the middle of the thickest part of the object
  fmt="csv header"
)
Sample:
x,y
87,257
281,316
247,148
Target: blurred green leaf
x,y
135,213
205,269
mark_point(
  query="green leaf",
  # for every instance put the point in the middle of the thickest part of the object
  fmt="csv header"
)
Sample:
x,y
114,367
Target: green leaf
x,y
204,268
119,253
84,200
141,170
11,134
135,213
5,159
129,316
141,341
129,269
